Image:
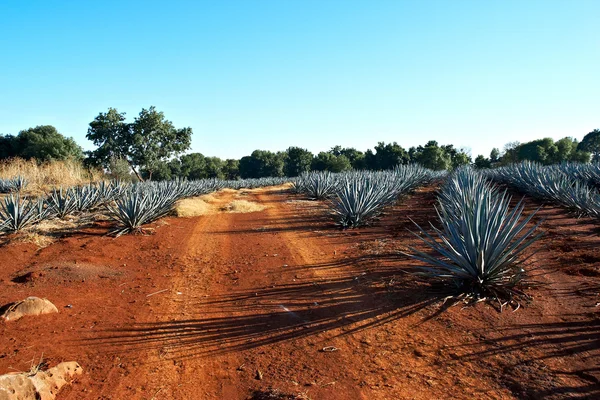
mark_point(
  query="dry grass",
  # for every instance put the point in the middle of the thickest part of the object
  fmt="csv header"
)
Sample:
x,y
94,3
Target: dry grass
x,y
243,206
194,207
45,232
45,176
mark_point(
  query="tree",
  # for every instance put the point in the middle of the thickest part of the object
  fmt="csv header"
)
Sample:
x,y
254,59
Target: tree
x,y
146,142
494,155
231,169
119,169
482,162
433,156
8,147
355,157
192,166
591,144
214,168
457,157
43,143
510,153
297,161
327,161
108,131
262,163
390,155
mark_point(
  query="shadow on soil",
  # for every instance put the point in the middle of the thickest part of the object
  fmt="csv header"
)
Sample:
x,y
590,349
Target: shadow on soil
x,y
347,304
265,316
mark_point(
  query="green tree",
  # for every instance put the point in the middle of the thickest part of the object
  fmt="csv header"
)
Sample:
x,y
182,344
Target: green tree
x,y
591,144
8,147
433,156
494,155
231,169
458,157
214,168
297,161
327,161
148,141
481,162
390,155
43,143
120,169
262,163
355,157
192,166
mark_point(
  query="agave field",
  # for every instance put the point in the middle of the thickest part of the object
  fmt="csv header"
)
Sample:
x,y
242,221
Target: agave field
x,y
130,205
396,284
574,186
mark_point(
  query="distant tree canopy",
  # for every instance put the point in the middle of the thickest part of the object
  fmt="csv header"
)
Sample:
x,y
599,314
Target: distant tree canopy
x,y
545,151
297,161
262,163
145,143
43,143
591,144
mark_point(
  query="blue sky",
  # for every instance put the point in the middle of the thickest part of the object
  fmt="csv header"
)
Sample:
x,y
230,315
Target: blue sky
x,y
267,74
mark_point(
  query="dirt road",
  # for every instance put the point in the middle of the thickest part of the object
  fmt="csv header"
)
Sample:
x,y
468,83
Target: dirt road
x,y
223,305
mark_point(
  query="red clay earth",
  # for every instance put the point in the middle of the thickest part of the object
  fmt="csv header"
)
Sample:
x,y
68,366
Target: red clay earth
x,y
221,306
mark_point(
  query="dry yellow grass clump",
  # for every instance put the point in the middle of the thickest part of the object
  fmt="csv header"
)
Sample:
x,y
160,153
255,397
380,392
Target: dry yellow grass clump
x,y
42,177
243,206
194,207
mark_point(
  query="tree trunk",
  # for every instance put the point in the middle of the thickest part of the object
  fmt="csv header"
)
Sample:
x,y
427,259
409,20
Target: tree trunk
x,y
135,171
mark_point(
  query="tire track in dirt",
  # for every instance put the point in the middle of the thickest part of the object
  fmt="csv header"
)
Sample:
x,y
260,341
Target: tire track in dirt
x,y
245,312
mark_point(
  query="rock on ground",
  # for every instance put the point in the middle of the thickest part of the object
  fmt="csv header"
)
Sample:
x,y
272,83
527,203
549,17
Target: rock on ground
x,y
29,306
43,385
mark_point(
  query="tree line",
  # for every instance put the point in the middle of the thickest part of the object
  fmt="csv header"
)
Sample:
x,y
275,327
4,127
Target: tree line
x,y
151,147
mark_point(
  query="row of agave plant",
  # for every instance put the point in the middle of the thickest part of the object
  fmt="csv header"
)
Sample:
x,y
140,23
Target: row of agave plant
x,y
18,212
146,202
131,206
356,197
477,244
569,185
11,185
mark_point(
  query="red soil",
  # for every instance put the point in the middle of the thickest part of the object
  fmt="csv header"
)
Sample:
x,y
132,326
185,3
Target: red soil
x,y
219,306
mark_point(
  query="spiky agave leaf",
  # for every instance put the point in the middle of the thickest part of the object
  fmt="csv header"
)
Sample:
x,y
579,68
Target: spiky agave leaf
x,y
479,246
16,213
551,184
139,206
362,195
62,202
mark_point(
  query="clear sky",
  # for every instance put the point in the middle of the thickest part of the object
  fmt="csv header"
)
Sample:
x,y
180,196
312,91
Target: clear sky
x,y
262,74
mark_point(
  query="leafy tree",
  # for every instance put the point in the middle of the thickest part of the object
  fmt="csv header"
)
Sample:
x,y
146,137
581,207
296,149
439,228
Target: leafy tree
x,y
43,143
390,155
355,157
540,150
457,157
192,166
433,156
482,162
494,155
214,168
109,132
297,161
262,163
327,161
371,160
591,144
231,169
510,153
146,142
161,172
567,150
119,169
8,146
